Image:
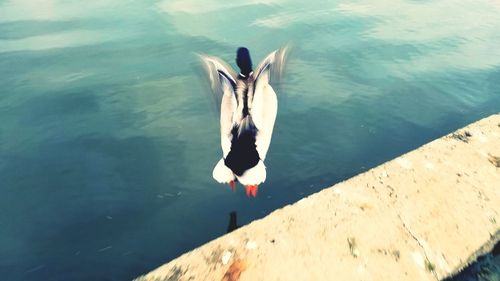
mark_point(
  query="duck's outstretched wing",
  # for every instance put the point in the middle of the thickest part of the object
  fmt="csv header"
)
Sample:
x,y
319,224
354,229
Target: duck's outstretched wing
x,y
217,67
223,85
265,103
273,64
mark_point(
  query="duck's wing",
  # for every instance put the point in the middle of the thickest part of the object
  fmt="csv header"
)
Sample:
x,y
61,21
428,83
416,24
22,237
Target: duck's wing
x,y
265,103
273,64
217,69
224,87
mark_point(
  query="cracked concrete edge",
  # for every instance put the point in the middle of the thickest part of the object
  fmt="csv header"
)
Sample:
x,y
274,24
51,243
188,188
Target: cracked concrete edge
x,y
391,193
483,250
405,226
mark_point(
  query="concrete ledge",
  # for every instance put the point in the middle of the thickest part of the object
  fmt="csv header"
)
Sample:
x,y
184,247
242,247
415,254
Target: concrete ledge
x,y
421,216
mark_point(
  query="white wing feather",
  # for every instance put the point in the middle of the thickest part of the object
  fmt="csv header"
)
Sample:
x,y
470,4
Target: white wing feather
x,y
264,110
265,103
222,78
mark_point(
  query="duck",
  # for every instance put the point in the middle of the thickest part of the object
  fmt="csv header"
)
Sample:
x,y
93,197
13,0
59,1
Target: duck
x,y
248,108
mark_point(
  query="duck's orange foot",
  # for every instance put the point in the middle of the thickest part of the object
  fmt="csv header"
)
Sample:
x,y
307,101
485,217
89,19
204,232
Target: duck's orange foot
x,y
232,185
251,190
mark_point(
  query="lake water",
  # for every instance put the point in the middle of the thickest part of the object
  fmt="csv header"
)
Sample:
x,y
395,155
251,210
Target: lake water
x,y
108,136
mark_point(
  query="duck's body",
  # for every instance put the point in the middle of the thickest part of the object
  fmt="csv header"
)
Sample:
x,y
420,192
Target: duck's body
x,y
248,112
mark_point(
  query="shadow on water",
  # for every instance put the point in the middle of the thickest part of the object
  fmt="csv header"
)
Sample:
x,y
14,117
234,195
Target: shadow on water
x,y
233,223
485,268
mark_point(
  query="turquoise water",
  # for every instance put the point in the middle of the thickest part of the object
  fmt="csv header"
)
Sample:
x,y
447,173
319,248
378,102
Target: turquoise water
x,y
108,137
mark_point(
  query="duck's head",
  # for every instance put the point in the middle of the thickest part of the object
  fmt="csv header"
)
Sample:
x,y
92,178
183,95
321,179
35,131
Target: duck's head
x,y
244,61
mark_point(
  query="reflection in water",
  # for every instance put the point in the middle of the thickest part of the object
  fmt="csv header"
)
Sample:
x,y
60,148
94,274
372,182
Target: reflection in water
x,y
233,224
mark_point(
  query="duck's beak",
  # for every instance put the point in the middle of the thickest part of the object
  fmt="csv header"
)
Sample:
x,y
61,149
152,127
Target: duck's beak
x,y
251,190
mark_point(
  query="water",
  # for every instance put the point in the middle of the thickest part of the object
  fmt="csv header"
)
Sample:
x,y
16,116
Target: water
x,y
108,138
485,268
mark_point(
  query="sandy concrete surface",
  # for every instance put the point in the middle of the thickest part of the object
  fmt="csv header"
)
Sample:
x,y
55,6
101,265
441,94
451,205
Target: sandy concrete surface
x,y
421,216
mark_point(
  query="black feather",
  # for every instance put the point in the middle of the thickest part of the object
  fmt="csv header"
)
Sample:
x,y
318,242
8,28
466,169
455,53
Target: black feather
x,y
243,154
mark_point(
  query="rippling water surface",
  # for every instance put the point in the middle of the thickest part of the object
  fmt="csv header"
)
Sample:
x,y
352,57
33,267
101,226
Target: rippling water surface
x,y
108,138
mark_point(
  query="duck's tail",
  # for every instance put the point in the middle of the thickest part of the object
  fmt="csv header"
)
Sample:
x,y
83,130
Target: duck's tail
x,y
222,173
254,176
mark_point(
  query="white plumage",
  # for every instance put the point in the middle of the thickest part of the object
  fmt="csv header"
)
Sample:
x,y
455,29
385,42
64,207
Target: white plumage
x,y
248,108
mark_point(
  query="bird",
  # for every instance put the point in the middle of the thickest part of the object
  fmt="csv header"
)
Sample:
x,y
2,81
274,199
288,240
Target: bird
x,y
248,109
